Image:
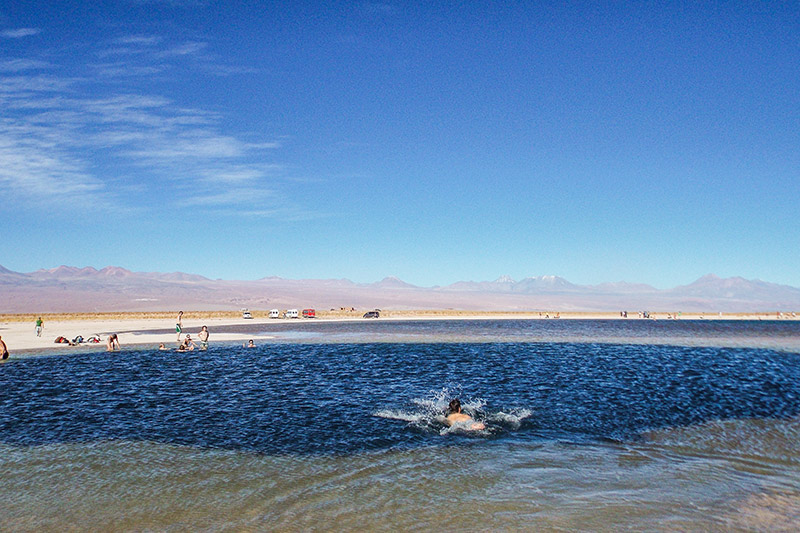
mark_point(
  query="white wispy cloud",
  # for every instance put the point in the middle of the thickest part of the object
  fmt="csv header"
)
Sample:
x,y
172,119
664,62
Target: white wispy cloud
x,y
55,126
24,86
183,49
36,166
121,69
146,40
20,64
131,45
229,175
242,196
19,33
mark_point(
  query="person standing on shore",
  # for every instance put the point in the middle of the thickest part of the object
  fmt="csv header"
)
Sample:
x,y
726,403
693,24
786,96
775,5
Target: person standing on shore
x,y
3,349
179,325
203,335
39,326
112,344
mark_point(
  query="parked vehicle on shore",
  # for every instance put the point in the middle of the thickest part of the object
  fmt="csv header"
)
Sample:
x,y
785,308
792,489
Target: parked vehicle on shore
x,y
274,313
372,314
309,313
246,314
292,313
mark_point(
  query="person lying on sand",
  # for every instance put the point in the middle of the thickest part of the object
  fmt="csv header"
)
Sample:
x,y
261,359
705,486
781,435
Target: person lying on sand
x,y
455,416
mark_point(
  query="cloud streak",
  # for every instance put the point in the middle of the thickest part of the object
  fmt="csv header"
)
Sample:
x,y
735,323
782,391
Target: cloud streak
x,y
19,33
66,136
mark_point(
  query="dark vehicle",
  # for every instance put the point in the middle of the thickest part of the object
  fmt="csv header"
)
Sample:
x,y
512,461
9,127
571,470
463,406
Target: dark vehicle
x,y
372,314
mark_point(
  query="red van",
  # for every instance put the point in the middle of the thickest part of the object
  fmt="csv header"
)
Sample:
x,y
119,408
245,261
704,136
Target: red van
x,y
309,313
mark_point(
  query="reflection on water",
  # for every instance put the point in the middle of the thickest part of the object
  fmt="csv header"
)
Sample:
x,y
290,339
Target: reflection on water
x,y
291,437
775,335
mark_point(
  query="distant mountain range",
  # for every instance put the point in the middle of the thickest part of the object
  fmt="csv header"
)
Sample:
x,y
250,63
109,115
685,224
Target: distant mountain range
x,y
72,289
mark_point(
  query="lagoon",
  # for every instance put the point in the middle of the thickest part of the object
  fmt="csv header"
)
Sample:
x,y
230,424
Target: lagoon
x,y
593,425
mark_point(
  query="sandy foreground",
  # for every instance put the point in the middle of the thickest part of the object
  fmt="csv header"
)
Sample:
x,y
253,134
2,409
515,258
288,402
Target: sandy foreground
x,y
152,329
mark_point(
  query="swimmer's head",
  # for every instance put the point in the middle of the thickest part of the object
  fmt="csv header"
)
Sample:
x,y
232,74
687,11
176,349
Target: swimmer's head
x,y
455,406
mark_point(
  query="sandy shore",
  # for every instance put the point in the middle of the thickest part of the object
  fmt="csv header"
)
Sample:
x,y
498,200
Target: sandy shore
x,y
151,329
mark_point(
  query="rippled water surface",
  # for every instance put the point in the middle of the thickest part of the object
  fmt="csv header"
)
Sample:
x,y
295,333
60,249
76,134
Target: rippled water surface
x,y
589,425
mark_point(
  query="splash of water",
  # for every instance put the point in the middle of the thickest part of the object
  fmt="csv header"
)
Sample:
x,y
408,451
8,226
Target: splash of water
x,y
428,413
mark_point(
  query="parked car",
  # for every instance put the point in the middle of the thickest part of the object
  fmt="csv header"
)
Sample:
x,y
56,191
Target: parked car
x,y
309,313
246,314
372,314
292,313
274,313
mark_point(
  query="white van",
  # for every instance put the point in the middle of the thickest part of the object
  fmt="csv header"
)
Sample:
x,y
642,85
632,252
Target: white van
x,y
274,313
292,313
246,314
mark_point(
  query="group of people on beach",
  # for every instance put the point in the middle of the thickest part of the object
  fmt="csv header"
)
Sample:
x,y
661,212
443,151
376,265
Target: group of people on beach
x,y
113,344
187,344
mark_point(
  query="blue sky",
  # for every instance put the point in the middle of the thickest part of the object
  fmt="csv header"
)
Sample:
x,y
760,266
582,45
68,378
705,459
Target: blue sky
x,y
434,141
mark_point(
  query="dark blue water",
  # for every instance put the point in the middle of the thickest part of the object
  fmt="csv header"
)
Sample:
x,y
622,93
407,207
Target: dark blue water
x,y
707,332
323,398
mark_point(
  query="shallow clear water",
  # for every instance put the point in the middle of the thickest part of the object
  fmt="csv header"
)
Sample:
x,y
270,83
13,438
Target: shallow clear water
x,y
590,425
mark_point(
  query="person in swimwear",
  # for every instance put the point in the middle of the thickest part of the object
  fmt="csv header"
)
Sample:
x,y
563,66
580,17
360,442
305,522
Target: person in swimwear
x,y
188,343
455,416
179,325
112,344
203,338
250,344
3,350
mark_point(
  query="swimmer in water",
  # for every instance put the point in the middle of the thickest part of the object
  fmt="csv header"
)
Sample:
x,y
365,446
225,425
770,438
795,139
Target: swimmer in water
x,y
250,344
188,343
455,416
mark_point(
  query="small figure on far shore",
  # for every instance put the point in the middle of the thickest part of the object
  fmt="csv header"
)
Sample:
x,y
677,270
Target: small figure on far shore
x,y
3,349
250,344
39,326
455,416
179,325
203,335
112,344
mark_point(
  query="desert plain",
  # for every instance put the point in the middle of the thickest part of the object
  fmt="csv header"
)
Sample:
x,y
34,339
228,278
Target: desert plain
x,y
154,328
